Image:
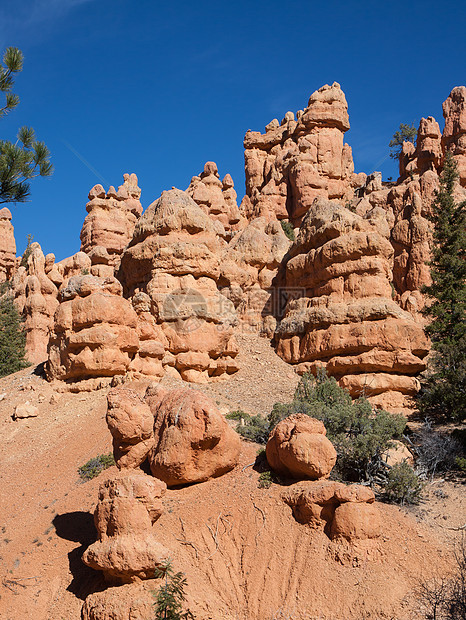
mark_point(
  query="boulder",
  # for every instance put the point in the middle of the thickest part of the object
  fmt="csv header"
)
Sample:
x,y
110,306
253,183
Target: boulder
x,y
126,549
131,424
341,511
193,441
298,448
355,521
25,410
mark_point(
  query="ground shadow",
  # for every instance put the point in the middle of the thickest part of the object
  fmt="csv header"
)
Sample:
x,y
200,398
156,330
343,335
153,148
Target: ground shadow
x,y
79,527
39,370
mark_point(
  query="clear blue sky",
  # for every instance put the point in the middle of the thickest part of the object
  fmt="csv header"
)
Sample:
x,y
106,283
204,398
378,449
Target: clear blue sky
x,y
158,88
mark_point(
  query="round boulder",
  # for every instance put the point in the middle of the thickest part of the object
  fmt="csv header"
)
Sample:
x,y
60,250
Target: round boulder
x,y
298,448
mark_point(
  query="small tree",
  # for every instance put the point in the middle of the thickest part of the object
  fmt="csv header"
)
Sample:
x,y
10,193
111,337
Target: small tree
x,y
443,390
170,597
406,133
27,251
12,338
27,157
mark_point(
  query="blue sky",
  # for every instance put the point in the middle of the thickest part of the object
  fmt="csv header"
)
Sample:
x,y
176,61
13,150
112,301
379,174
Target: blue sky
x,y
158,88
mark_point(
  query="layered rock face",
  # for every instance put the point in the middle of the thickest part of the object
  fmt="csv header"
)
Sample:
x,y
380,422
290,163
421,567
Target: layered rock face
x,y
36,299
181,433
299,159
217,199
454,133
249,267
111,217
411,199
346,319
126,549
174,258
94,333
7,246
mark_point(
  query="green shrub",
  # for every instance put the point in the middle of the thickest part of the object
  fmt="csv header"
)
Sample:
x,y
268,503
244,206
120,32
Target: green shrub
x,y
94,466
12,338
27,251
170,597
254,428
360,434
237,415
265,480
406,133
403,484
288,229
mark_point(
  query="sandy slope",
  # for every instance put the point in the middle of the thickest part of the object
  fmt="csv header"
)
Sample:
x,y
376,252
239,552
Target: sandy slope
x,y
244,555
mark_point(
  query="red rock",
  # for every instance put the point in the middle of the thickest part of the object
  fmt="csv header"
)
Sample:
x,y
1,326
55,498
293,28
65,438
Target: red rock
x,y
25,410
295,162
131,424
344,317
217,199
94,331
193,441
7,246
454,133
177,243
128,601
342,511
356,521
36,299
126,549
111,218
297,448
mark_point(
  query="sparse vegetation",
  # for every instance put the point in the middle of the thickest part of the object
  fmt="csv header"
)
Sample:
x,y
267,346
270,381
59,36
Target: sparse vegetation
x,y
403,484
265,479
406,133
169,599
12,338
359,434
445,599
27,251
288,229
435,452
95,466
